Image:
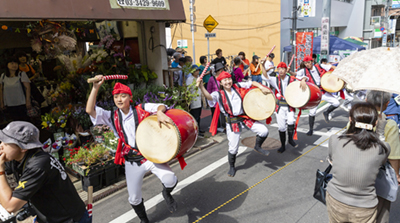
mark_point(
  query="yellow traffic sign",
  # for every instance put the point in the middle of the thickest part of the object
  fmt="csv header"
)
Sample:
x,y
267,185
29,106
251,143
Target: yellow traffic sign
x,y
210,23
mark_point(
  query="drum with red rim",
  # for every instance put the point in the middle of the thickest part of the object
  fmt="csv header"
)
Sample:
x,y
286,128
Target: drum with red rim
x,y
297,98
257,105
160,145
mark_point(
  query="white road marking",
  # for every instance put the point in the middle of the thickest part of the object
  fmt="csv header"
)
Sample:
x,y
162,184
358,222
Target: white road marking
x,y
331,131
182,184
303,130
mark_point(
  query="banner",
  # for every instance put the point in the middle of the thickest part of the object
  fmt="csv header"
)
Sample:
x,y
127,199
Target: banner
x,y
304,46
325,36
307,8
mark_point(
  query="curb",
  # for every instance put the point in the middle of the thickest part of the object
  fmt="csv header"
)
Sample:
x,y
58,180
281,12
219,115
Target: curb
x,y
103,193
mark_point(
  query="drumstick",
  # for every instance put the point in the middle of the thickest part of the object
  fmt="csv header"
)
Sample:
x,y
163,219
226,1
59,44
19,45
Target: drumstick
x,y
108,77
258,65
291,62
204,72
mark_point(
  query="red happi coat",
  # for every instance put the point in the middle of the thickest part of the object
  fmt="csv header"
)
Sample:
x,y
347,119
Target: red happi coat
x,y
227,106
281,100
321,73
123,145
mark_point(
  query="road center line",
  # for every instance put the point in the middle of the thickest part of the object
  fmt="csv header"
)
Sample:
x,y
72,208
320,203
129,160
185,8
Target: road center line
x,y
182,184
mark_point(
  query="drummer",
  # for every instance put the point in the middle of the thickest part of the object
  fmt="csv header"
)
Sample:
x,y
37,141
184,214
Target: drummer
x,y
123,121
313,73
284,113
230,103
349,97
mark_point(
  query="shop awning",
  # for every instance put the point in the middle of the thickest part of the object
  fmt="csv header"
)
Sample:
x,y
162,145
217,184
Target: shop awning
x,y
74,10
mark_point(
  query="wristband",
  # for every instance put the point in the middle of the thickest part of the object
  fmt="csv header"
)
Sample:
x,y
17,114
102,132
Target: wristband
x,y
2,173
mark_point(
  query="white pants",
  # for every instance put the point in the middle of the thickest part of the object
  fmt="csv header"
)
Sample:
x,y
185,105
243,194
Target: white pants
x,y
328,97
234,137
283,117
134,178
348,96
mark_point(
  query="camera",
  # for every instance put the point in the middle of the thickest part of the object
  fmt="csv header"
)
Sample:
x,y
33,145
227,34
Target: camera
x,y
25,213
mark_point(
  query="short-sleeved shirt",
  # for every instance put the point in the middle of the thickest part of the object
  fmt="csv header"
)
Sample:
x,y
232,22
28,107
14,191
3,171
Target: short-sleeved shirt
x,y
44,182
213,85
219,60
174,64
326,67
13,93
103,117
254,71
268,64
207,76
241,66
233,97
238,74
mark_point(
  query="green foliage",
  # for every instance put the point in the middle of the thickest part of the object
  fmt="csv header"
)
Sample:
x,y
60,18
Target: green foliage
x,y
139,75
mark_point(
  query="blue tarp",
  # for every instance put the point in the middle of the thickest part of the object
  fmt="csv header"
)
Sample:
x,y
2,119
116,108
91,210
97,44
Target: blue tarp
x,y
335,44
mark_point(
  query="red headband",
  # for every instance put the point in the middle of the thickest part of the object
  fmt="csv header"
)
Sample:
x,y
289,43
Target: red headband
x,y
282,65
223,75
121,88
307,58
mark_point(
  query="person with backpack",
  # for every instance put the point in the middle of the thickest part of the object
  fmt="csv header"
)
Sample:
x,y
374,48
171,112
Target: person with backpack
x,y
237,74
124,121
15,92
313,73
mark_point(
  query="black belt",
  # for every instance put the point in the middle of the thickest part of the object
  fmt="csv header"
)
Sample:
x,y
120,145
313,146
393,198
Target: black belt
x,y
131,157
233,119
282,103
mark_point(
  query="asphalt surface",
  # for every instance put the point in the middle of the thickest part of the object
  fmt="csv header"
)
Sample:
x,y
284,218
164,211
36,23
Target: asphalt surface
x,y
276,194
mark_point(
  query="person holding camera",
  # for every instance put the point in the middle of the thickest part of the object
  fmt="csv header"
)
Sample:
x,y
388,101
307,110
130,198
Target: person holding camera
x,y
42,180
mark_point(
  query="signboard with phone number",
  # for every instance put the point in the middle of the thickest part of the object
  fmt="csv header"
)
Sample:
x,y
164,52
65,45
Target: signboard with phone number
x,y
147,4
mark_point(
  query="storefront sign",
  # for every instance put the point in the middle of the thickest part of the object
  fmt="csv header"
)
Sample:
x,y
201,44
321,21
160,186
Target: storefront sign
x,y
304,46
395,4
141,4
307,8
345,53
325,36
333,58
182,43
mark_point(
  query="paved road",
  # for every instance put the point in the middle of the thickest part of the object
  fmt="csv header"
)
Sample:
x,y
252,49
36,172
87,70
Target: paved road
x,y
282,196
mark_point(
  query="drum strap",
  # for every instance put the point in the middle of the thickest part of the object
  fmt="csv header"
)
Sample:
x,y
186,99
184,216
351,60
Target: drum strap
x,y
227,106
281,100
124,150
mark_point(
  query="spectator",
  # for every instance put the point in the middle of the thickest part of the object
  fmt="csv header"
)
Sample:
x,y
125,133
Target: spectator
x,y
42,179
236,69
189,60
269,65
175,63
314,57
181,51
356,157
213,85
15,93
393,110
391,134
220,58
255,74
203,61
244,63
195,106
178,75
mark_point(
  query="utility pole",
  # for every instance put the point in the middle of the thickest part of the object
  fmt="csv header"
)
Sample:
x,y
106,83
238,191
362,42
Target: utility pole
x,y
386,23
192,27
294,27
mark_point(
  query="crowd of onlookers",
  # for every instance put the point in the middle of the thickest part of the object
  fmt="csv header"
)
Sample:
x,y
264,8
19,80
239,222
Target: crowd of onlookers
x,y
240,68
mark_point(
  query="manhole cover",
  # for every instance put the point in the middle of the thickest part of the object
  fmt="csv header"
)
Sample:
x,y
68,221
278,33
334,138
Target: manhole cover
x,y
269,143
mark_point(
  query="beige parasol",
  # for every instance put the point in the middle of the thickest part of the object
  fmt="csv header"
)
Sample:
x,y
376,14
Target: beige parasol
x,y
375,69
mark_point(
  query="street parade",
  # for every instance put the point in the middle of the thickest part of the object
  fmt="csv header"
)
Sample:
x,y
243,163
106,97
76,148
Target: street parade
x,y
284,111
